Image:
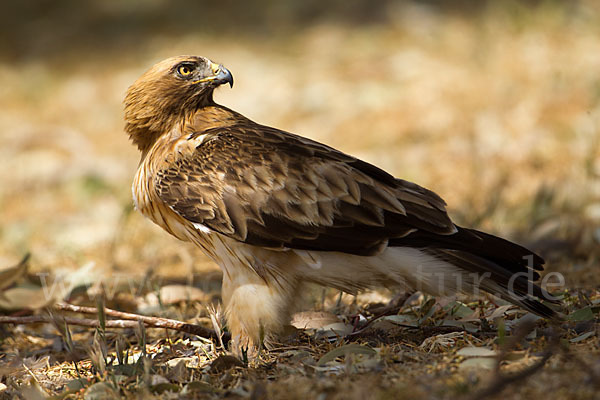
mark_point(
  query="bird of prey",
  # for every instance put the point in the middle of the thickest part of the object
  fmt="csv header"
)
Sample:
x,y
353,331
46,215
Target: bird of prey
x,y
274,209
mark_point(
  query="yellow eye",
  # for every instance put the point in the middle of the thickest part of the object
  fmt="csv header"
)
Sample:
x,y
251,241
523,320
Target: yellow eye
x,y
184,70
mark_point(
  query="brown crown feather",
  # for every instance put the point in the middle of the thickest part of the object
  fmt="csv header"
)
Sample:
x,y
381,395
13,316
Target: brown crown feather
x,y
158,100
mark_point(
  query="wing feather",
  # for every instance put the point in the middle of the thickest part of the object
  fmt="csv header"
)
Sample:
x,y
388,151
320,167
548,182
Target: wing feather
x,y
271,188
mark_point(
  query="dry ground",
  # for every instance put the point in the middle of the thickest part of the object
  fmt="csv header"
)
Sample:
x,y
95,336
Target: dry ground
x,y
496,109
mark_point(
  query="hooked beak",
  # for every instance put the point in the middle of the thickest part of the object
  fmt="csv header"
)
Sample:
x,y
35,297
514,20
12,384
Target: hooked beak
x,y
224,76
221,75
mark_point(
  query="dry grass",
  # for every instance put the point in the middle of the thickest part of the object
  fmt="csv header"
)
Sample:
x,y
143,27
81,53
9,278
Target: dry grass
x,y
497,110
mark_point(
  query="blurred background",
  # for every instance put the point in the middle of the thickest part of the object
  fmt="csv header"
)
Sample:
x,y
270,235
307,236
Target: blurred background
x,y
495,105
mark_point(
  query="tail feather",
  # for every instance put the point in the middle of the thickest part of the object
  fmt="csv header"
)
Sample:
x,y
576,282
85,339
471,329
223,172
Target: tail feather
x,y
516,288
509,270
512,256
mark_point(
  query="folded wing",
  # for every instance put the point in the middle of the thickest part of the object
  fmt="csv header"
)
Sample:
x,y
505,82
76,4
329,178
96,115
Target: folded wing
x,y
270,188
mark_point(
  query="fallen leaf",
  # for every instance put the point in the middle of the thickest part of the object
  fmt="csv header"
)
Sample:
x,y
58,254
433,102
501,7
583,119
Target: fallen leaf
x,y
352,348
583,314
582,337
402,319
499,312
25,298
333,331
472,351
478,363
224,362
313,319
460,310
10,275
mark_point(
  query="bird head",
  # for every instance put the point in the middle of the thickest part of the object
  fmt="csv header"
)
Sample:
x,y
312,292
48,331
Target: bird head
x,y
169,91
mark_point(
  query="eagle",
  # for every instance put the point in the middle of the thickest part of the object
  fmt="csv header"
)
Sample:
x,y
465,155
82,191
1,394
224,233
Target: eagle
x,y
274,209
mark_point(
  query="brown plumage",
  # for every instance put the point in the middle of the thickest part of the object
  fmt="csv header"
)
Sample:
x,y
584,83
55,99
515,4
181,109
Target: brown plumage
x,y
274,209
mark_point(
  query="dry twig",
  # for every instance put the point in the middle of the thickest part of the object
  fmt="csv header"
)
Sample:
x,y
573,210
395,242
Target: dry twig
x,y
127,320
502,381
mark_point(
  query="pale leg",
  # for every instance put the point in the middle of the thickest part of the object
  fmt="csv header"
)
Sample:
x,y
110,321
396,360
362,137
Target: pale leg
x,y
255,308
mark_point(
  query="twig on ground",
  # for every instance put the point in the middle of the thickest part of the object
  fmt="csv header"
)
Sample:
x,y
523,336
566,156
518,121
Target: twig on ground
x,y
502,381
588,369
36,319
155,322
127,320
520,332
393,307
